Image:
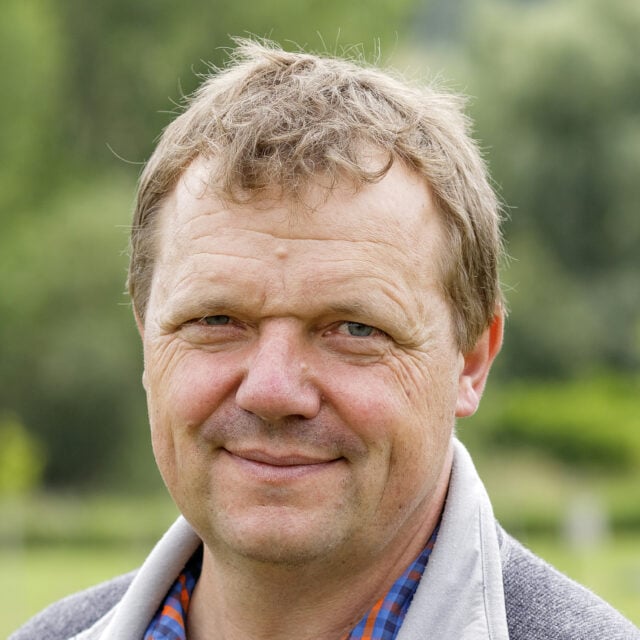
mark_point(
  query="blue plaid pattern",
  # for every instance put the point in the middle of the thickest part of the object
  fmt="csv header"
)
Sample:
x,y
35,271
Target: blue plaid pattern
x,y
169,623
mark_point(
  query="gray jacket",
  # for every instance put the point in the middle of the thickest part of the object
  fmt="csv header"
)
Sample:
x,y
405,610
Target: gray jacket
x,y
480,584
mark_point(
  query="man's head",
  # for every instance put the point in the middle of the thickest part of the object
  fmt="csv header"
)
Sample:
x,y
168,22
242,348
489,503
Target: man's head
x,y
314,280
276,121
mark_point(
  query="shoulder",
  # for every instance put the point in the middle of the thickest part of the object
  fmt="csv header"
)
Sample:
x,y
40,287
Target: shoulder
x,y
74,613
542,603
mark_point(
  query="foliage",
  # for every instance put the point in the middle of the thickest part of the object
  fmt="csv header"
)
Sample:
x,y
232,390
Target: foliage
x,y
557,89
543,446
71,359
86,520
31,100
21,459
588,423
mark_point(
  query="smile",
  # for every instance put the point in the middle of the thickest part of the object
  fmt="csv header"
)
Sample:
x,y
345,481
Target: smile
x,y
276,468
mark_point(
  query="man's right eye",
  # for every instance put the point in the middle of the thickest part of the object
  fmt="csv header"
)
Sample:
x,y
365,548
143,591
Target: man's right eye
x,y
216,321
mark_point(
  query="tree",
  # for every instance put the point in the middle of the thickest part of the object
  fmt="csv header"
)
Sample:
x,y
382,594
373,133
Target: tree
x,y
557,89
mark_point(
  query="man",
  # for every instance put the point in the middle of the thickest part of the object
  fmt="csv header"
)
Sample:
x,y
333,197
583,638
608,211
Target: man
x,y
314,277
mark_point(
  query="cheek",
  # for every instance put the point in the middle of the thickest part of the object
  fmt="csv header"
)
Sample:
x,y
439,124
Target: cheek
x,y
364,402
406,433
189,387
373,402
405,409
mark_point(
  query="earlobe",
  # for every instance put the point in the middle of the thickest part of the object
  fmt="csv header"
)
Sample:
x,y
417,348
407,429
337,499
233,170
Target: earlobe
x,y
477,364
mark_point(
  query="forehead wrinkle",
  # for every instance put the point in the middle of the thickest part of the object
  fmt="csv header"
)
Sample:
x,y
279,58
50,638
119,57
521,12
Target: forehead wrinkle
x,y
290,226
225,254
294,226
185,277
304,246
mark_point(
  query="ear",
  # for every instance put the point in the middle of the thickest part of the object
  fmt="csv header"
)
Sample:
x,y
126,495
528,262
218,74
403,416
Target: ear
x,y
476,367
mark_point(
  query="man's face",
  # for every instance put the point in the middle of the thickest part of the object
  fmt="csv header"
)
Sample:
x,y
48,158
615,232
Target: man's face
x,y
300,367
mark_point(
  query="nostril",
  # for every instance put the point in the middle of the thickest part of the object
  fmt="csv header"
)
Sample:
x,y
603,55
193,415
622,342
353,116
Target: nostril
x,y
273,400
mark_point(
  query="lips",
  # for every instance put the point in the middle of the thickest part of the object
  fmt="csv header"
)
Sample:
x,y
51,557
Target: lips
x,y
282,469
279,459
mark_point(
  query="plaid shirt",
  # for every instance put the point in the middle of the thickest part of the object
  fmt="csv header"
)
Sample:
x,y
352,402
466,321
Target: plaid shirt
x,y
382,622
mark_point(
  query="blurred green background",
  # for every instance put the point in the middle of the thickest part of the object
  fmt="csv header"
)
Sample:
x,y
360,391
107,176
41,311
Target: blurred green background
x,y
555,93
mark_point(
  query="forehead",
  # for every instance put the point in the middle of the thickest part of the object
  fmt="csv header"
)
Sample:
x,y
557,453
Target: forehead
x,y
388,231
342,210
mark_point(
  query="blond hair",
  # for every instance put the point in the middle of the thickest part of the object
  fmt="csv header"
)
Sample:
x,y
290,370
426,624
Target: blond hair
x,y
274,119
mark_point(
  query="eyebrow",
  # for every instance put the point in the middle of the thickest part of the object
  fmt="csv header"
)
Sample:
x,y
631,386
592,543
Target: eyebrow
x,y
351,308
183,302
377,314
215,303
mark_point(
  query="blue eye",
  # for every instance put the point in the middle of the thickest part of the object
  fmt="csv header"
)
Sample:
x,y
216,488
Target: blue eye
x,y
358,330
216,321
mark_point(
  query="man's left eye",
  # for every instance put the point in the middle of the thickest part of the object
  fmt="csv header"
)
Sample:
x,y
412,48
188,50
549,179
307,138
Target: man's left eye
x,y
359,330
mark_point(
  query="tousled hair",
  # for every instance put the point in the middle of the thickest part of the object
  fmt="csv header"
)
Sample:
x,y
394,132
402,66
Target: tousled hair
x,y
274,120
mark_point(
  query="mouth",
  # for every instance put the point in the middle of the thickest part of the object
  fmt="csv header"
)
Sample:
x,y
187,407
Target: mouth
x,y
279,460
278,467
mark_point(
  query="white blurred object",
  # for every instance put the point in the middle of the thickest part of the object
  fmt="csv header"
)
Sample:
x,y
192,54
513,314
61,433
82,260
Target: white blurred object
x,y
586,524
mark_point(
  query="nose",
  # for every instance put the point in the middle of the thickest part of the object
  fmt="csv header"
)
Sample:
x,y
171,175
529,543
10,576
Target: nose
x,y
277,382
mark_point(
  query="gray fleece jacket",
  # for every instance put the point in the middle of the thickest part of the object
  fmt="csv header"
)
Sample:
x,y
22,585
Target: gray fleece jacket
x,y
479,584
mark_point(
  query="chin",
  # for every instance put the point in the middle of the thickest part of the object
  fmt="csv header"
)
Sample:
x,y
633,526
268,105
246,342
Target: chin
x,y
279,539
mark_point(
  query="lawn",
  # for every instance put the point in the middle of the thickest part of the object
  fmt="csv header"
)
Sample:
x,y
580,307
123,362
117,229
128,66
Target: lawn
x,y
32,578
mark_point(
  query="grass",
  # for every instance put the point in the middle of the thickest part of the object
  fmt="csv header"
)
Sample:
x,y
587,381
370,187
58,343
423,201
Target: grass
x,y
33,578
54,545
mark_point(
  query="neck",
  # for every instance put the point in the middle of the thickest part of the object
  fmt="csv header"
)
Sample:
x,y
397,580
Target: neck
x,y
321,603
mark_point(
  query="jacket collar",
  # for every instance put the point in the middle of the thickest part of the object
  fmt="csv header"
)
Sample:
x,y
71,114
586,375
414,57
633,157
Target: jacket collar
x,y
461,593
